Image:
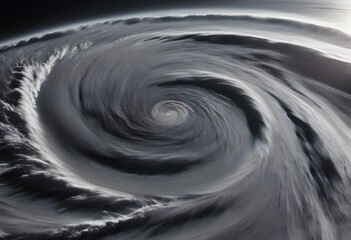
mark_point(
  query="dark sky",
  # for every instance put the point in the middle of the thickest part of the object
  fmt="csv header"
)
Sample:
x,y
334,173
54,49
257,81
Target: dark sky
x,y
21,17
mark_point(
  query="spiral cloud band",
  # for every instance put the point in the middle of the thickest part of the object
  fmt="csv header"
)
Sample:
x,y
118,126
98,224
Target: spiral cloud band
x,y
177,127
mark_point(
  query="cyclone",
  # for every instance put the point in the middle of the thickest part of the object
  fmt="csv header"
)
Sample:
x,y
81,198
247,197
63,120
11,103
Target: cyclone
x,y
213,126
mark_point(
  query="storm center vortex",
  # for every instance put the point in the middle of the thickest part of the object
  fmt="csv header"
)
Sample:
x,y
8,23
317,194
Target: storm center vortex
x,y
170,112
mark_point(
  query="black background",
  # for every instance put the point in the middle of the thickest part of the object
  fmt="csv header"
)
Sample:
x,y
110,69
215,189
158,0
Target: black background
x,y
20,17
